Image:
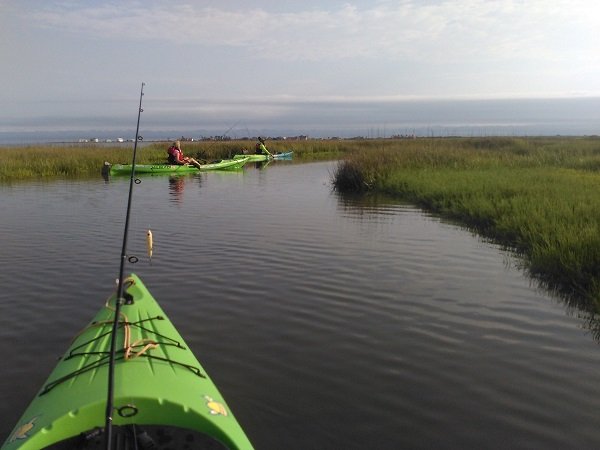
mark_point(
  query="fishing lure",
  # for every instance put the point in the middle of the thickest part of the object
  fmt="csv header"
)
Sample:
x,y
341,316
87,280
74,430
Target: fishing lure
x,y
149,244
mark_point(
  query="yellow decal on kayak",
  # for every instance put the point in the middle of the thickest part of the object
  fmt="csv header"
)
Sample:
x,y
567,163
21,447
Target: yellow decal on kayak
x,y
215,408
21,432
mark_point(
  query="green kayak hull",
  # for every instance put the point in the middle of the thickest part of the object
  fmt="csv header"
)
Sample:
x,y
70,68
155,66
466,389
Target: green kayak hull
x,y
157,382
284,155
261,157
251,157
225,164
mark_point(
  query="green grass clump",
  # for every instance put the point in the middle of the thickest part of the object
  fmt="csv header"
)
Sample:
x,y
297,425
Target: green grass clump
x,y
67,161
538,197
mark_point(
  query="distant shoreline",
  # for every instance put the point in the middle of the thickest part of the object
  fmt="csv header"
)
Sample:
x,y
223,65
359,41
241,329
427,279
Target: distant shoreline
x,y
319,119
127,142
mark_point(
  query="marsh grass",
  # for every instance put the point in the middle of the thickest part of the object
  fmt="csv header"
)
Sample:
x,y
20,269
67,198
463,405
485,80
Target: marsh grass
x,y
540,198
86,160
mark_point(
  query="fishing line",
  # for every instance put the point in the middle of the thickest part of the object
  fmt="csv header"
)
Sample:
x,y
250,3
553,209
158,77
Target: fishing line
x,y
222,136
119,297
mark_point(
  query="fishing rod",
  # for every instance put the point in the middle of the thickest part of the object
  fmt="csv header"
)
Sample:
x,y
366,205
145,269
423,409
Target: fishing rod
x,y
222,136
230,128
120,288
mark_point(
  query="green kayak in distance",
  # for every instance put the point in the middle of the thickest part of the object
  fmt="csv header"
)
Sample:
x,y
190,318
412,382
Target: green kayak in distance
x,y
224,164
161,392
283,155
260,157
251,157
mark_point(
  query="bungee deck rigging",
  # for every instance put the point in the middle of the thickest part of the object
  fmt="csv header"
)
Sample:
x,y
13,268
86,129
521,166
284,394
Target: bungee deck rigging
x,y
139,348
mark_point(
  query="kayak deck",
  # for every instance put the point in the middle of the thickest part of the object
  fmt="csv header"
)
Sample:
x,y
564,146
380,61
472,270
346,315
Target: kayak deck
x,y
158,381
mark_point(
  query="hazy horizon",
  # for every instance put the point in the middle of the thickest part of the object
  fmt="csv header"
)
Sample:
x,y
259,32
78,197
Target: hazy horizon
x,y
316,119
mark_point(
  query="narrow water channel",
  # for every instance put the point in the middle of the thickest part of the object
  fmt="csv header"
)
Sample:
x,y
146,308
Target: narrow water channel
x,y
327,322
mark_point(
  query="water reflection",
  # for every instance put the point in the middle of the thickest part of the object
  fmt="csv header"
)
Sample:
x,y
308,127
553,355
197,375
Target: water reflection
x,y
578,303
364,204
176,187
262,164
178,183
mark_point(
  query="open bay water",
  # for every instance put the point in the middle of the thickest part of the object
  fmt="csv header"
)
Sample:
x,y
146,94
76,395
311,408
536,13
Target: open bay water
x,y
576,116
327,322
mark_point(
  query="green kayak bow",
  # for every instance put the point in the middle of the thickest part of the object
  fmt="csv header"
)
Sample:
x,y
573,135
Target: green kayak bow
x,y
160,389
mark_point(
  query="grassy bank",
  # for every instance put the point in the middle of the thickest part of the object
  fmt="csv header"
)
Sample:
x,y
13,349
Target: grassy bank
x,y
86,160
539,197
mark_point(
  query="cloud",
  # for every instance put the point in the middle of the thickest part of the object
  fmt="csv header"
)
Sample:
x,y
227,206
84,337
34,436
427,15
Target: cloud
x,y
434,31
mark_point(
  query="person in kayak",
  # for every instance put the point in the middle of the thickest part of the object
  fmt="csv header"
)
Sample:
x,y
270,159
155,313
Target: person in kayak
x,y
176,156
261,149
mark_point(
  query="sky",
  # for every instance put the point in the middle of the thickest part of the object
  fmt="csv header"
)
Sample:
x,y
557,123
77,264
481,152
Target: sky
x,y
211,65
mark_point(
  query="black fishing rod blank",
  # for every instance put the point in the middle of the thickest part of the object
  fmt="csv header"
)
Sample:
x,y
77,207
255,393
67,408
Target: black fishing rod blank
x,y
120,288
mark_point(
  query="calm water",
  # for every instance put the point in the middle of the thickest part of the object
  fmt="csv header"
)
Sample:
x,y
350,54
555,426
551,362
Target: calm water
x,y
327,323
